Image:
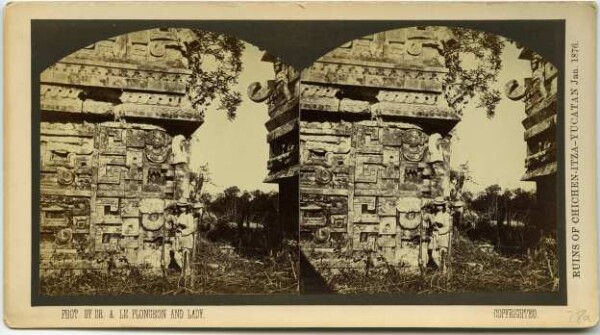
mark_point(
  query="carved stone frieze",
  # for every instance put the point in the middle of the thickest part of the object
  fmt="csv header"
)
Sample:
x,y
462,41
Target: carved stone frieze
x,y
155,47
95,75
323,210
360,75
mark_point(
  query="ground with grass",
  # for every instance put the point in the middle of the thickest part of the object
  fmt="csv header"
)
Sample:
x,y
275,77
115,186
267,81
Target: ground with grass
x,y
218,270
472,270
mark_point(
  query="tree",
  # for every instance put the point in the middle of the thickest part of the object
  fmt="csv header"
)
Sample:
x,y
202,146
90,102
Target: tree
x,y
522,199
231,192
215,61
467,196
486,203
243,208
225,204
458,177
473,58
493,190
198,179
206,198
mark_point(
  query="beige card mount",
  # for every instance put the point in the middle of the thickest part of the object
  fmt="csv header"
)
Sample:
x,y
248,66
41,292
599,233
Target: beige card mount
x,y
286,165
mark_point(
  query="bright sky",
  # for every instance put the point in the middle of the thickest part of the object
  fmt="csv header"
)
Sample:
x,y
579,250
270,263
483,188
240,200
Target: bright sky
x,y
237,151
494,148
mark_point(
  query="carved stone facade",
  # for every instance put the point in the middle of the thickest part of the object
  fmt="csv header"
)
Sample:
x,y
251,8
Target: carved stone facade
x,y
282,97
374,148
540,97
115,118
540,123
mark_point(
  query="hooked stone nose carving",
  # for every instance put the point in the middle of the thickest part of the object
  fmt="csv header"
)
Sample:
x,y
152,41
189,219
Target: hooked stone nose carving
x,y
259,93
513,90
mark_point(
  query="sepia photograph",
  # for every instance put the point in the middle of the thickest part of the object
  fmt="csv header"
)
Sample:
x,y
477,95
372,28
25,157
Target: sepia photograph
x,y
146,185
428,165
321,165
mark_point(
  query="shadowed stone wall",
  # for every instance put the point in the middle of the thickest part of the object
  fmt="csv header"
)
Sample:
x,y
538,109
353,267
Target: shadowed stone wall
x,y
375,148
114,151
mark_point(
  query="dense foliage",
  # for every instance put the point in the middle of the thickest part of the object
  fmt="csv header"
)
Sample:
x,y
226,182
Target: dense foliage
x,y
215,60
243,206
503,218
473,58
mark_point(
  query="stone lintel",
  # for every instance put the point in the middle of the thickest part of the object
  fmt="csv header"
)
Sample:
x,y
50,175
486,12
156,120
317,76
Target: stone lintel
x,y
164,116
65,192
307,129
385,193
419,111
406,65
126,79
124,63
324,191
158,112
68,129
397,79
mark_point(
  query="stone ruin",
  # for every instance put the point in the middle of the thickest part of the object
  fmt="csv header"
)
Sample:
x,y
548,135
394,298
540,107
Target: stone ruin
x,y
115,120
539,93
372,118
375,148
282,97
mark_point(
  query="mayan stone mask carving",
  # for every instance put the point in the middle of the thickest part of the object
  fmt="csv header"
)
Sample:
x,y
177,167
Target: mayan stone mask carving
x,y
413,145
157,146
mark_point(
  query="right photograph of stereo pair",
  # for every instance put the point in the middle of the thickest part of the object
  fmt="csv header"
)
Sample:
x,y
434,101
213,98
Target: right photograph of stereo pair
x,y
427,164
